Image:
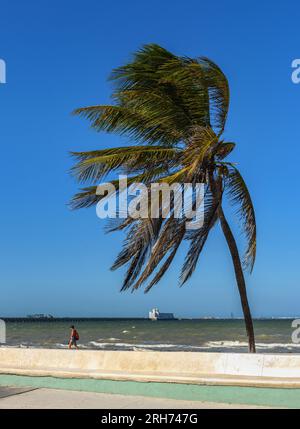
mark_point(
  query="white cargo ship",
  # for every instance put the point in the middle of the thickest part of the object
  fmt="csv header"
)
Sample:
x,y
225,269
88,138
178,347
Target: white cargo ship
x,y
154,314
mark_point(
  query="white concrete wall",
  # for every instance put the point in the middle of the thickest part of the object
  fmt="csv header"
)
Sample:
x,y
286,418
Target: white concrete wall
x,y
151,366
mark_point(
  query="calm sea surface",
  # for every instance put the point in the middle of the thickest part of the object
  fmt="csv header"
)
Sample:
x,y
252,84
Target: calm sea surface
x,y
189,335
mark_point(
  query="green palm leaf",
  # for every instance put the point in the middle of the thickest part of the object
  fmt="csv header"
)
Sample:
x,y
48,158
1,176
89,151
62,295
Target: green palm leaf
x,y
199,236
219,94
132,122
239,195
95,165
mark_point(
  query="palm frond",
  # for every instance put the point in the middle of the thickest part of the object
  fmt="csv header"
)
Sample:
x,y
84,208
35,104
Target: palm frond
x,y
172,252
169,239
136,248
239,195
94,165
219,94
136,123
87,197
199,145
165,87
141,71
199,236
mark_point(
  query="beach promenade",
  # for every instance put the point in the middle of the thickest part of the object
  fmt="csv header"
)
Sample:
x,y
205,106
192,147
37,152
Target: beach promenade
x,y
186,368
186,379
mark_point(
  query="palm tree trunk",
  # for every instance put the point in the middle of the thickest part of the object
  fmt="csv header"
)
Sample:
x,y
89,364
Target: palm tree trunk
x,y
239,279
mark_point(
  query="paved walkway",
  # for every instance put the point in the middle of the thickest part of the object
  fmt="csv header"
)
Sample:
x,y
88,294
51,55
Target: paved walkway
x,y
15,398
199,396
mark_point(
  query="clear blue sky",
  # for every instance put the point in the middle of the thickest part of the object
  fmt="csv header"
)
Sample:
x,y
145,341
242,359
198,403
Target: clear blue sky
x,y
58,57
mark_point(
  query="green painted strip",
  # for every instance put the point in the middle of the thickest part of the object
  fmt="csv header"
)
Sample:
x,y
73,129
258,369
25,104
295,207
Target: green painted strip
x,y
273,397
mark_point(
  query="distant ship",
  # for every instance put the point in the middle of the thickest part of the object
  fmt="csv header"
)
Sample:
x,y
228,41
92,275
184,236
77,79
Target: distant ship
x,y
40,316
154,314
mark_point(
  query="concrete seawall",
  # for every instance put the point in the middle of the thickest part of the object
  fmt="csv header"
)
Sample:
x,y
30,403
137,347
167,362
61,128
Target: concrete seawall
x,y
263,370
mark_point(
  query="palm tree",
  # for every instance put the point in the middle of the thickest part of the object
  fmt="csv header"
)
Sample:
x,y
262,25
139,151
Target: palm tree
x,y
175,109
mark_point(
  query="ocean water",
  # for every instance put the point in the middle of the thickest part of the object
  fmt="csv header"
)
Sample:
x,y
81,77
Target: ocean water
x,y
216,335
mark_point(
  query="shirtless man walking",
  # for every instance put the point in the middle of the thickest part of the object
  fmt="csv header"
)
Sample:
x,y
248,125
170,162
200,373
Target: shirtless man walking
x,y
74,337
